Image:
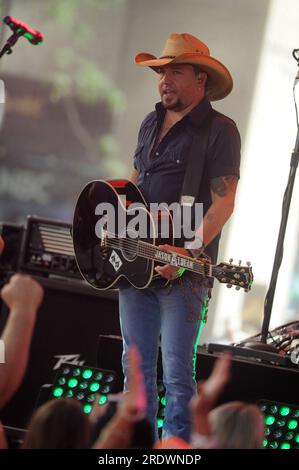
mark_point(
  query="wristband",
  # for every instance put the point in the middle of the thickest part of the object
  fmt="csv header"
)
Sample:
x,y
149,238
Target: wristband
x,y
181,270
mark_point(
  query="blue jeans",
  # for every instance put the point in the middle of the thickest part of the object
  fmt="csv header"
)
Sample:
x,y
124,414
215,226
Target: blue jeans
x,y
175,312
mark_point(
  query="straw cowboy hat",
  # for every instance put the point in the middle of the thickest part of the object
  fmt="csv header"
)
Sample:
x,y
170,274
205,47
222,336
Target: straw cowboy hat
x,y
187,49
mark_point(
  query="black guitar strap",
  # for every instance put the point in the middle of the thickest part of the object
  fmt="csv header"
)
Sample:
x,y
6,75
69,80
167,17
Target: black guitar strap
x,y
196,162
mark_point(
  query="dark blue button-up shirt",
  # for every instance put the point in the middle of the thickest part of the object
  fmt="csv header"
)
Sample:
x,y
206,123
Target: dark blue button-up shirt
x,y
161,172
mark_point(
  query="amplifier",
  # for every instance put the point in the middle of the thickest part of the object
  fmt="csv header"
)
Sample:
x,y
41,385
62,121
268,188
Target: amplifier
x,y
47,249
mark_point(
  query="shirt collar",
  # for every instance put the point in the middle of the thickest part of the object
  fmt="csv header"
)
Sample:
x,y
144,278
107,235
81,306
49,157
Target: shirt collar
x,y
196,116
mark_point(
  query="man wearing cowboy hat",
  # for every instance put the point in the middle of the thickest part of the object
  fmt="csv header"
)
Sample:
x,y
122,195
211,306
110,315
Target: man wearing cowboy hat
x,y
189,78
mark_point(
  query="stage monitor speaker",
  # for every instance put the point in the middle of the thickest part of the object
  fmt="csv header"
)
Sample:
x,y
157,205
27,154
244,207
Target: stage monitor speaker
x,y
250,380
253,380
67,329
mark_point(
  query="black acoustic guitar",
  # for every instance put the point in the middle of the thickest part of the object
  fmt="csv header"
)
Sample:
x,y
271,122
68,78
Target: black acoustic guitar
x,y
109,248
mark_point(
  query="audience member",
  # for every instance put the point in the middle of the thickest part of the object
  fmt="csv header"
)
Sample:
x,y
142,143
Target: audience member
x,y
119,432
23,295
59,424
234,425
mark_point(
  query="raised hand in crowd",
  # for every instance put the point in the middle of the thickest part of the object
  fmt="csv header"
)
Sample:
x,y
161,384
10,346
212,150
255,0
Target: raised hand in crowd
x,y
204,401
23,296
131,409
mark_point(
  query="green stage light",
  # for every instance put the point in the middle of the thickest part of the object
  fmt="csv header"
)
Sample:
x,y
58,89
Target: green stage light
x,y
160,423
279,433
284,410
87,374
292,424
281,422
273,445
57,392
273,409
90,398
87,408
103,400
161,407
72,383
94,387
269,420
83,384
79,396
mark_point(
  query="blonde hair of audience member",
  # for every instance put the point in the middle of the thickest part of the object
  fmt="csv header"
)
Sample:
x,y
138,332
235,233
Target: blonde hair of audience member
x,y
59,424
237,425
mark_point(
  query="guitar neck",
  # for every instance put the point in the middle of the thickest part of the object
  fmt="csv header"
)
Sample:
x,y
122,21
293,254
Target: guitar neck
x,y
146,250
231,275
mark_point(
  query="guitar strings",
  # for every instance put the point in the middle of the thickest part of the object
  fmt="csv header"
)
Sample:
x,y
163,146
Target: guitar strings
x,y
200,268
140,247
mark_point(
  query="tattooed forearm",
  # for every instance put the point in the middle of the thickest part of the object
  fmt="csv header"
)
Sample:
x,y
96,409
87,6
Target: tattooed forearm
x,y
222,185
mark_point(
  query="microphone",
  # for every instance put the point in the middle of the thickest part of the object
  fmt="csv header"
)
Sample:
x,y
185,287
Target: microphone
x,y
22,29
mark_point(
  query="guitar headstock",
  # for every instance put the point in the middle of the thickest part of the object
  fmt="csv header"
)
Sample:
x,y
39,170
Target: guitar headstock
x,y
235,275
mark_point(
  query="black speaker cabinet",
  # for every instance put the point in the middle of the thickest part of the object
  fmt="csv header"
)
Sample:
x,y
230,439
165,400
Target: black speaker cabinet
x,y
67,329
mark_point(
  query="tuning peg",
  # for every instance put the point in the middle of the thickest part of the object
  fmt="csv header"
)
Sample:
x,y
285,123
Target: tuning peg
x,y
228,286
248,263
240,262
231,260
238,287
246,290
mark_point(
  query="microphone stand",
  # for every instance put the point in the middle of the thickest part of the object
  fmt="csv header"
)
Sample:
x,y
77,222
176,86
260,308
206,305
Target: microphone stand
x,y
262,343
11,41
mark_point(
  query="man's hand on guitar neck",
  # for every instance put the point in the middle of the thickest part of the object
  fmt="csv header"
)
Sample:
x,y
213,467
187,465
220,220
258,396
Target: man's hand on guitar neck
x,y
168,271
